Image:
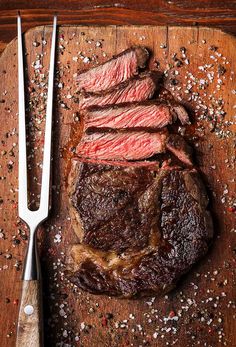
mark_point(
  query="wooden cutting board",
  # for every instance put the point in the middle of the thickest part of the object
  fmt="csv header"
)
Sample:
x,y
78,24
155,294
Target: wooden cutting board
x,y
201,65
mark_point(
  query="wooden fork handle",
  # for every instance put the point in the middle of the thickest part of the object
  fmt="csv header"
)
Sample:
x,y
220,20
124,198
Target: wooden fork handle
x,y
29,329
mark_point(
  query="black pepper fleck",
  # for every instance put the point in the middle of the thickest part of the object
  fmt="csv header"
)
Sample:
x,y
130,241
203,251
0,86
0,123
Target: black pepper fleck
x,y
213,48
221,70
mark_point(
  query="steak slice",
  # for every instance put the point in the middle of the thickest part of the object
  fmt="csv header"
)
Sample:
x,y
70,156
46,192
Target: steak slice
x,y
178,146
133,145
141,230
121,146
114,71
149,114
181,113
138,88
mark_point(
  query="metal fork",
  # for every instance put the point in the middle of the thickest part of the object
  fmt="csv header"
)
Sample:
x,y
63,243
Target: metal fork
x,y
30,327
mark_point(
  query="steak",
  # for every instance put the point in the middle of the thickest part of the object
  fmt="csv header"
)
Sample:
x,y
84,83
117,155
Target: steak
x,y
114,71
181,113
139,88
138,207
133,145
121,184
140,230
178,146
130,115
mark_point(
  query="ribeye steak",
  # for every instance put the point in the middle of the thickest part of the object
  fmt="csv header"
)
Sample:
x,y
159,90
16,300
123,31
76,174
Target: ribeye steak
x,y
140,228
137,202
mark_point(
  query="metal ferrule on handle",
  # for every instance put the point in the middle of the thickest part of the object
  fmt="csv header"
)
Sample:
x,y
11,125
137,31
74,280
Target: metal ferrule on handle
x,y
32,269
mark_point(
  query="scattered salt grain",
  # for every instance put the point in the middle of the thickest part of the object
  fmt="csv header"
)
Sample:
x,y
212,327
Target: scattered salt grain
x,y
86,60
57,238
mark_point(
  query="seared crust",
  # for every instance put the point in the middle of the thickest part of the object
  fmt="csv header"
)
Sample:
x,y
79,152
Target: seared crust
x,y
142,56
102,194
175,205
72,182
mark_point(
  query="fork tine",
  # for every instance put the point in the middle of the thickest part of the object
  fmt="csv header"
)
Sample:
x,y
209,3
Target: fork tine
x,y
44,200
22,170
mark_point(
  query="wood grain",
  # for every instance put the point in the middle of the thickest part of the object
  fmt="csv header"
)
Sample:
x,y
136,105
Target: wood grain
x,y
29,329
205,298
220,14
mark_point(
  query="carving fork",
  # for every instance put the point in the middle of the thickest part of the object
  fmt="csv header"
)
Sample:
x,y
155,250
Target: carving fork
x,y
30,327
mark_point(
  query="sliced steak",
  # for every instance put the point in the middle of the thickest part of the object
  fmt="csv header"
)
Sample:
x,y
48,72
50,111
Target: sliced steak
x,y
141,224
133,145
150,114
114,71
140,230
138,88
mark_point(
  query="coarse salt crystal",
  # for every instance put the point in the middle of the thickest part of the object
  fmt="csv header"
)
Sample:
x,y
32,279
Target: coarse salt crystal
x,y
155,335
62,312
86,60
57,238
37,65
65,333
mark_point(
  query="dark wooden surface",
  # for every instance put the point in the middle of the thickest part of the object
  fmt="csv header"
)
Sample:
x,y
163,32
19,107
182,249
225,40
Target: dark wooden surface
x,y
155,12
204,301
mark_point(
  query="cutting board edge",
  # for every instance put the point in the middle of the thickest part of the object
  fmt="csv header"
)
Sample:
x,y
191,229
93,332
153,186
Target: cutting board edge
x,y
170,27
